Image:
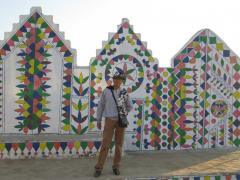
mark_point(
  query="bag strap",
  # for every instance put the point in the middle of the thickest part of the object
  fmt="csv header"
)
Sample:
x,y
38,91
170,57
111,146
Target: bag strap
x,y
114,98
115,101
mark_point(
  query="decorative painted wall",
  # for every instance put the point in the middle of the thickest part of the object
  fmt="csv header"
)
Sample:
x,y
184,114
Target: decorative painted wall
x,y
37,73
192,105
207,94
80,102
125,51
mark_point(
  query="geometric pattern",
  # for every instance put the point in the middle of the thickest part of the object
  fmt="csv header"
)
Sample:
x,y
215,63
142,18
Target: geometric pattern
x,y
134,130
33,88
1,93
79,122
125,51
193,105
205,177
184,108
161,130
48,150
132,82
213,78
34,38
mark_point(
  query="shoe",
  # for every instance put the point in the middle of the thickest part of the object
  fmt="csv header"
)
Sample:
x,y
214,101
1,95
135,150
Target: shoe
x,y
116,172
97,173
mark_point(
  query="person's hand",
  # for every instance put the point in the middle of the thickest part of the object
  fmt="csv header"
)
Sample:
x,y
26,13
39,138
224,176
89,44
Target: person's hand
x,y
99,125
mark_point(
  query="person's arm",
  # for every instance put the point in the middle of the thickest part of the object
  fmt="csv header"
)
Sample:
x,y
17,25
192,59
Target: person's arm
x,y
100,108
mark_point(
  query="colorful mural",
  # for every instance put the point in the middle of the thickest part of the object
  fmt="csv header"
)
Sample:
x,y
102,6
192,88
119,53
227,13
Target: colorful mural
x,y
49,150
33,90
124,51
192,105
162,97
211,95
80,101
201,177
35,48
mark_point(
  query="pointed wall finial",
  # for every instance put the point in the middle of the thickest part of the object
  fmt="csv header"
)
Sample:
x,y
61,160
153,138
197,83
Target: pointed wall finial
x,y
124,20
36,9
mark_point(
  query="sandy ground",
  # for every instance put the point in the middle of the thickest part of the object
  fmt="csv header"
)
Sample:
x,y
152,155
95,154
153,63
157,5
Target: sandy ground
x,y
135,165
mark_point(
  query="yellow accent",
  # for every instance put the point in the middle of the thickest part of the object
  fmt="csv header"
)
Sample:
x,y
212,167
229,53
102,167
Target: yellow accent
x,y
44,102
98,81
107,47
69,59
169,106
77,145
67,90
81,78
147,101
91,126
188,114
75,106
178,102
236,94
187,77
66,127
48,46
40,20
139,122
20,101
84,106
31,69
93,69
151,59
206,104
183,88
40,66
32,62
154,95
182,92
42,35
130,40
170,79
25,114
194,44
202,94
21,45
21,78
26,106
2,146
219,46
43,145
188,137
164,103
39,114
207,178
141,74
165,74
99,78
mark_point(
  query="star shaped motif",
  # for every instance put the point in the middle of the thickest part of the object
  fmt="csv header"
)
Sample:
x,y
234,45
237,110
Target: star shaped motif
x,y
127,71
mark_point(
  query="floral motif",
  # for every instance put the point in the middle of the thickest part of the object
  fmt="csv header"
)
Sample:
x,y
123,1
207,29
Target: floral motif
x,y
130,66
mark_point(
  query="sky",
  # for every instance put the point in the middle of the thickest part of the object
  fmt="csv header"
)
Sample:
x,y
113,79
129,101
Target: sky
x,y
166,25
